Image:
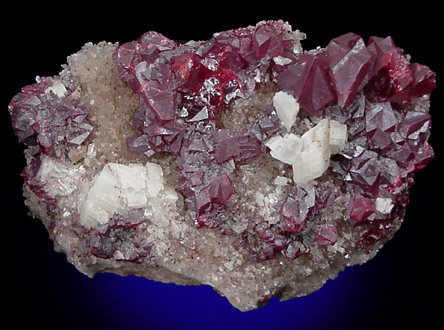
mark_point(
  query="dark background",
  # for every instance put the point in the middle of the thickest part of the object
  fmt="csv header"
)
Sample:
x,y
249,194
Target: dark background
x,y
396,289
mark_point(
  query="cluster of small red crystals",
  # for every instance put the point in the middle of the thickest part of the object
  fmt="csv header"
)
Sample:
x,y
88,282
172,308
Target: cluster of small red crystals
x,y
121,234
52,121
182,88
47,116
198,78
371,88
347,66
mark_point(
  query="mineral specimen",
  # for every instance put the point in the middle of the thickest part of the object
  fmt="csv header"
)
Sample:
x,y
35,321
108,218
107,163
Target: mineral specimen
x,y
241,162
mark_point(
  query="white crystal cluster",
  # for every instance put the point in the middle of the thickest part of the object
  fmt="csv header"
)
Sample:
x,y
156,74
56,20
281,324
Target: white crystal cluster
x,y
310,153
119,187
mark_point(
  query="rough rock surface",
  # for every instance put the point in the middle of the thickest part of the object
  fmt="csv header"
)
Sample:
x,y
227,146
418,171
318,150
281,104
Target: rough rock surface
x,y
242,162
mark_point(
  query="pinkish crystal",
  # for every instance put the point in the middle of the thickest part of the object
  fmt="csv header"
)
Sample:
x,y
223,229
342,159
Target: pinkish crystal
x,y
349,62
392,78
220,189
267,41
120,234
48,114
162,103
295,249
30,175
372,235
308,81
380,122
364,171
424,81
235,145
296,208
361,208
265,125
327,235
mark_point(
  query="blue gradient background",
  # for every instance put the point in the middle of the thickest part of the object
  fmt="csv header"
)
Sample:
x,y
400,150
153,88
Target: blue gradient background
x,y
379,294
385,293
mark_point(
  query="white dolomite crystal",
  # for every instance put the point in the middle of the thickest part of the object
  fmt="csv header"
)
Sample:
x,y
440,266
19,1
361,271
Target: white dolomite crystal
x,y
60,178
309,154
119,187
338,136
384,205
58,89
287,108
286,148
327,138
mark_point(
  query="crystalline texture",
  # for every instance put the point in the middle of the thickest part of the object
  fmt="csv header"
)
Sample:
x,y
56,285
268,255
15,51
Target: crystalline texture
x,y
286,108
392,78
49,115
307,80
242,162
349,62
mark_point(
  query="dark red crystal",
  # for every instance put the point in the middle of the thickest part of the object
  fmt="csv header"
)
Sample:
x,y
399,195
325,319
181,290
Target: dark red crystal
x,y
220,189
309,82
361,209
392,78
349,62
266,124
373,235
121,234
380,123
296,208
41,117
364,171
235,145
295,249
31,178
326,235
162,103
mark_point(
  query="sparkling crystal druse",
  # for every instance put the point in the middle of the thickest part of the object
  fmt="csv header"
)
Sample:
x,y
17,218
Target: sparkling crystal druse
x,y
242,162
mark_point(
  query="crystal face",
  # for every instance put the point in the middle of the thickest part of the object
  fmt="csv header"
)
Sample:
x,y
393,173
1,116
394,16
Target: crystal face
x,y
242,162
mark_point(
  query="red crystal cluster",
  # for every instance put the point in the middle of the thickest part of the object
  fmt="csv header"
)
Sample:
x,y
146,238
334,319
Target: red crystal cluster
x,y
368,87
182,88
51,119
347,66
121,234
47,115
196,78
371,88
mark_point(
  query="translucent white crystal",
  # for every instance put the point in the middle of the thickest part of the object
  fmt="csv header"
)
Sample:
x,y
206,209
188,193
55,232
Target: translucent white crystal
x,y
60,178
287,108
130,176
281,181
259,198
285,149
384,205
154,179
314,159
310,164
57,88
338,136
119,187
319,134
103,198
281,60
310,154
